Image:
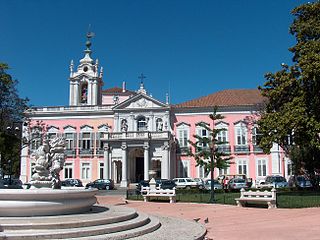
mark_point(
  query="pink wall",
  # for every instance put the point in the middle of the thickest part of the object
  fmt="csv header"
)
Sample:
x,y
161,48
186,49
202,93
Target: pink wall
x,y
230,118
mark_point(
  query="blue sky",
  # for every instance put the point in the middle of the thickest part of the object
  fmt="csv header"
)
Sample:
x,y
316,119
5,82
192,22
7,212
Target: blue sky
x,y
187,48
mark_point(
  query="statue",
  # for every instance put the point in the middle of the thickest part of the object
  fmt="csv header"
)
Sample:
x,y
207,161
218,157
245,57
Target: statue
x,y
124,125
49,160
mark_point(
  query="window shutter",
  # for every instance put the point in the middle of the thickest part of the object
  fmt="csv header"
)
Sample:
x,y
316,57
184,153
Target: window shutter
x,y
80,140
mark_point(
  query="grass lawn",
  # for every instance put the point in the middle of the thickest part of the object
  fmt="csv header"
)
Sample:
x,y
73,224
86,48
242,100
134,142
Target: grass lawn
x,y
287,199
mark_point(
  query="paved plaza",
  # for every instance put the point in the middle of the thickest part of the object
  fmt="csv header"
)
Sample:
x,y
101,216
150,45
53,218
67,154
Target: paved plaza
x,y
232,223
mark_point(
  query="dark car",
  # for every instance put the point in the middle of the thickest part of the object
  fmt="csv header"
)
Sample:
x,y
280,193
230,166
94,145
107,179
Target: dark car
x,y
101,184
165,183
13,183
141,184
299,181
70,182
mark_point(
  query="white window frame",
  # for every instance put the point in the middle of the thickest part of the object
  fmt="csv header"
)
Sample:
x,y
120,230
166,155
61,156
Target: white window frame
x,y
224,171
184,168
259,172
101,168
185,129
68,165
200,132
225,132
87,175
243,162
242,132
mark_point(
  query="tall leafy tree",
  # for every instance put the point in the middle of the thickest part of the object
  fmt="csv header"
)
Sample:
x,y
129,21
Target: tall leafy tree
x,y
12,108
291,116
206,150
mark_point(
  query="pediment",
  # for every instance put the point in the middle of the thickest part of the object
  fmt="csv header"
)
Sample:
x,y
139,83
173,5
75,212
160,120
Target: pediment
x,y
140,101
69,128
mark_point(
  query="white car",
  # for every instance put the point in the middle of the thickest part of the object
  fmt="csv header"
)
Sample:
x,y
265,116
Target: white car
x,y
186,183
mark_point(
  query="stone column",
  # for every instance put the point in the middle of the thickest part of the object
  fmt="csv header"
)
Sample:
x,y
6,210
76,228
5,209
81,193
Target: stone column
x,y
146,161
94,92
124,178
106,172
111,170
76,95
165,161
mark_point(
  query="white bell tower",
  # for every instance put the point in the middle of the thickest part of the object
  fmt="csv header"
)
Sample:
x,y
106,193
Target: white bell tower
x,y
86,83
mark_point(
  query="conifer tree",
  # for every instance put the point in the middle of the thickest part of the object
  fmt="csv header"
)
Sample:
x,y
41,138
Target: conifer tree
x,y
206,150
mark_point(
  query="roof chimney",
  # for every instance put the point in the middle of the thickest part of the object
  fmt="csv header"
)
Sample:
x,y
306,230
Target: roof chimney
x,y
123,86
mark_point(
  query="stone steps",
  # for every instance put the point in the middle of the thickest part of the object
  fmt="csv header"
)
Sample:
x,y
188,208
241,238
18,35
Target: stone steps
x,y
102,223
98,216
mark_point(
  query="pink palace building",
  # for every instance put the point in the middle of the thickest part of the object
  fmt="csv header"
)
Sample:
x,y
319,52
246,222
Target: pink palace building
x,y
129,135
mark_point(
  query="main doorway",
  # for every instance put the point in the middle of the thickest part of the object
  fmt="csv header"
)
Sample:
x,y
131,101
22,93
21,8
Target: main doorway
x,y
139,169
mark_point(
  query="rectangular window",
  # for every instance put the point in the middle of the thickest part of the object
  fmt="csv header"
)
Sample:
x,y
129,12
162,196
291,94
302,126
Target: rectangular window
x,y
86,140
85,170
224,171
242,166
69,140
222,136
183,137
68,170
184,166
262,168
241,135
101,167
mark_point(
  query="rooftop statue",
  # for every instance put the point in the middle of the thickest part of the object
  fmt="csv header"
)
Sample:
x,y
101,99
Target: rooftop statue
x,y
49,160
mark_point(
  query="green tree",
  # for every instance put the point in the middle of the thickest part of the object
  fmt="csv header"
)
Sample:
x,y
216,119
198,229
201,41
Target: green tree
x,y
206,150
12,108
291,117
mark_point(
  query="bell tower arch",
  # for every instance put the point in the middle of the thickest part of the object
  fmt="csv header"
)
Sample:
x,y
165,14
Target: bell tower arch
x,y
86,82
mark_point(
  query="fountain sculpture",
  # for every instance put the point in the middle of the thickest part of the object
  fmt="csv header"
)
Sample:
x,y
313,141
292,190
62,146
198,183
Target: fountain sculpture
x,y
45,196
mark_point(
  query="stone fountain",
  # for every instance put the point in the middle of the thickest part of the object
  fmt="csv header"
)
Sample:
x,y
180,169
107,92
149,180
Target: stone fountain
x,y
45,211
45,196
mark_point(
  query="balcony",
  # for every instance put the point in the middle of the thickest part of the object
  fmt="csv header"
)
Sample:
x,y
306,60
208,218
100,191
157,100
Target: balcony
x,y
224,148
86,152
257,149
241,149
70,152
138,136
99,152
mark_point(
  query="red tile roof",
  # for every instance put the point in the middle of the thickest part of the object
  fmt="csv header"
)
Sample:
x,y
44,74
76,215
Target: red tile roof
x,y
116,90
233,97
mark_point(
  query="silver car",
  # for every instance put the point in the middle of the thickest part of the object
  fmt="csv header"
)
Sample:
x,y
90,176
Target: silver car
x,y
236,184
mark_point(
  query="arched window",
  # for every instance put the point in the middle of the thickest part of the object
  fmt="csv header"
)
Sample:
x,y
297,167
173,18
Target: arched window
x,y
84,93
142,124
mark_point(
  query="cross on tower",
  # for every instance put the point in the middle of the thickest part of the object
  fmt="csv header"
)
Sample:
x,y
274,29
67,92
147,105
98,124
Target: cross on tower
x,y
142,77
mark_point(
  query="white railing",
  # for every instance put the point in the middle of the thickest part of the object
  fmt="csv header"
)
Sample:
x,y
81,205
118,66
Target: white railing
x,y
139,135
70,108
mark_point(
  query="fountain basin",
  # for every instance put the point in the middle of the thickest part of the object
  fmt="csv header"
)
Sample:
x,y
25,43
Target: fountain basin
x,y
45,201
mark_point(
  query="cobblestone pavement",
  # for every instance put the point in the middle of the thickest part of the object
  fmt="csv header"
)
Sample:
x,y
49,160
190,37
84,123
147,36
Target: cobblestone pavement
x,y
232,223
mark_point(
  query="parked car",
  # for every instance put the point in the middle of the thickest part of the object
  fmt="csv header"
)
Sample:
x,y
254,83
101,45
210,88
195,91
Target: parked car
x,y
236,184
216,184
15,183
165,183
106,184
200,182
300,181
186,183
70,182
224,179
273,181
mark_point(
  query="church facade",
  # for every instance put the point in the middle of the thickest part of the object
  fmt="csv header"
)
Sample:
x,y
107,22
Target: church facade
x,y
130,136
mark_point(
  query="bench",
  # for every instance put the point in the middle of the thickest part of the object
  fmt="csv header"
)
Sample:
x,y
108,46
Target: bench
x,y
268,197
154,191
